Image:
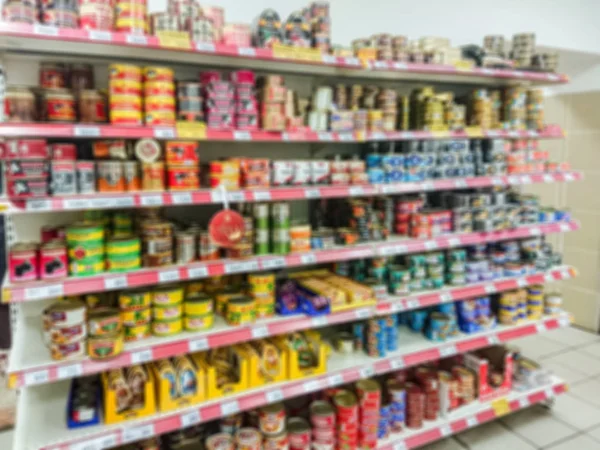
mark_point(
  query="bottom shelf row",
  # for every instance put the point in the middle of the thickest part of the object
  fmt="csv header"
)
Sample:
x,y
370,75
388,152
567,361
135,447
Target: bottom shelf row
x,y
361,400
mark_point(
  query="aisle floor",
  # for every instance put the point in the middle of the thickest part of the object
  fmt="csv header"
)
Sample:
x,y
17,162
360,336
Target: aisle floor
x,y
573,423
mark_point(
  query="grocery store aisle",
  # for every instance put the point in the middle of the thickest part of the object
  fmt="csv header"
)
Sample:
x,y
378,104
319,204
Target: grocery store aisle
x,y
573,423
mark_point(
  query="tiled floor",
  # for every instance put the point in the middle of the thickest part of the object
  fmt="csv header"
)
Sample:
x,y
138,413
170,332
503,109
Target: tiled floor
x,y
573,423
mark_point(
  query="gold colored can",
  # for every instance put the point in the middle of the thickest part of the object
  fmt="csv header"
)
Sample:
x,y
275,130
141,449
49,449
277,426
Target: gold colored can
x,y
125,72
222,298
198,323
198,304
167,295
167,327
133,317
261,283
104,321
240,310
137,299
158,73
105,347
168,312
137,332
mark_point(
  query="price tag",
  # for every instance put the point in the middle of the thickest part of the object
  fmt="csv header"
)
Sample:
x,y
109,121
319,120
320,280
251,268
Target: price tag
x,y
427,186
565,227
168,275
99,35
535,231
526,179
261,196
242,136
164,133
311,386
55,290
100,443
123,202
412,304
197,272
564,322
319,321
86,131
329,59
377,136
259,332
518,74
448,350
151,200
522,282
461,184
45,30
352,61
246,51
446,297
569,177
198,345
431,245
446,430
497,181
308,258
549,392
275,395
524,402
346,137
76,203
335,380
472,421
493,340
381,65
37,377
489,288
133,434
325,137
356,190
553,77
141,357
492,133
362,313
236,196
115,282
454,242
487,71
541,327
181,198
312,193
397,364
247,266
533,133
205,47
400,66
401,445
367,372
136,39
230,408
548,178
70,371
514,180
548,278
501,407
190,418
273,263
39,205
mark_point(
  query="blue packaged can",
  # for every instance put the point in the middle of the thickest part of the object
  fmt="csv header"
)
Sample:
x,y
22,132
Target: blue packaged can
x,y
373,160
376,175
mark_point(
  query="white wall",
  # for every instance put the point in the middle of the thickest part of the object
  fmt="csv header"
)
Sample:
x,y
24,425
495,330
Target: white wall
x,y
570,24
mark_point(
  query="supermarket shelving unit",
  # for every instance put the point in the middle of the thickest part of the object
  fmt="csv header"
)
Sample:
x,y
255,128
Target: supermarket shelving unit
x,y
44,383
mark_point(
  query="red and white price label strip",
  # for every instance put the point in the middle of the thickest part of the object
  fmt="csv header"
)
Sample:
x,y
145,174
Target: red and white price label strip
x,y
100,443
70,371
274,395
198,345
37,377
141,356
335,380
229,408
119,282
190,418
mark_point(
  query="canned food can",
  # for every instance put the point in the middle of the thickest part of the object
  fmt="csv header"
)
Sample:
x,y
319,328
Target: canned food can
x,y
23,262
53,260
272,419
86,176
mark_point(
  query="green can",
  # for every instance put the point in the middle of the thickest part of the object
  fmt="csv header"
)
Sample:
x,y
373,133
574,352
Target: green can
x,y
261,241
418,272
456,267
427,283
438,282
416,261
399,287
260,212
435,270
456,279
280,215
399,273
459,255
280,241
434,258
415,285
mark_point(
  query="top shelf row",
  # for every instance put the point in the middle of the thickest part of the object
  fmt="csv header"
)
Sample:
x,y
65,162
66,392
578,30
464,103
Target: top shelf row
x,y
42,40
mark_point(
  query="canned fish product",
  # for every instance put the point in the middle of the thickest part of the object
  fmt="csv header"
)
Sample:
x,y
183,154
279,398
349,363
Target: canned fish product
x,y
64,313
131,175
186,247
23,262
167,296
198,323
167,312
153,176
298,433
135,317
167,327
125,72
207,249
110,176
240,310
66,352
276,442
53,260
272,419
105,347
137,332
86,176
104,321
135,300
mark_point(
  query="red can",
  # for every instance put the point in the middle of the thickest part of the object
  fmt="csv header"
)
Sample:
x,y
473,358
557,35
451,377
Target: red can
x,y
23,262
183,178
323,434
25,169
27,187
49,233
298,433
26,149
53,260
322,414
66,152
